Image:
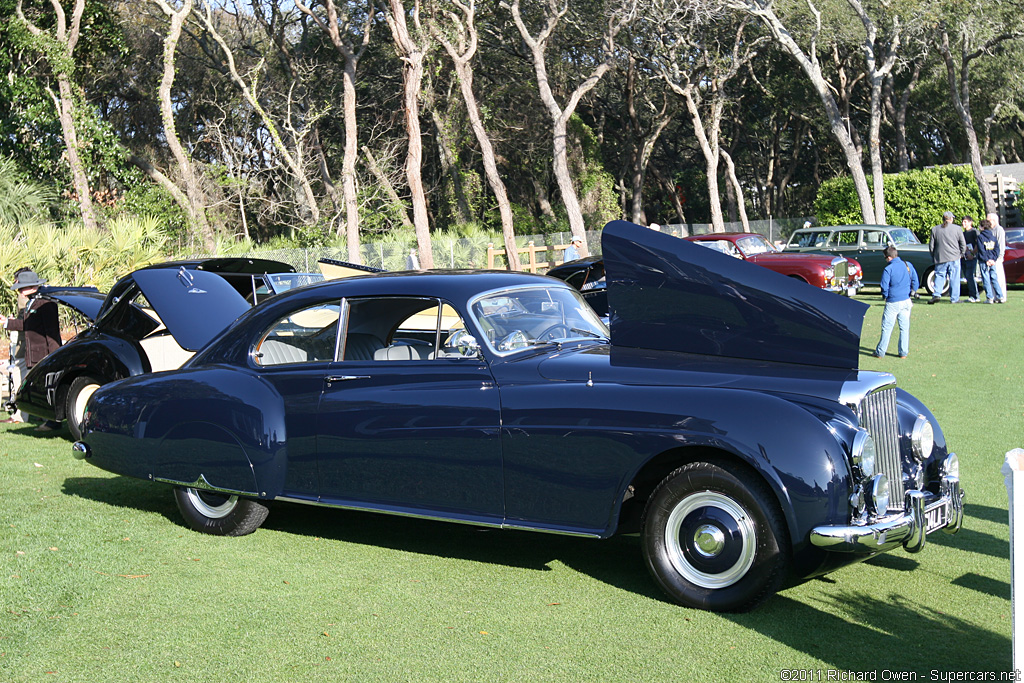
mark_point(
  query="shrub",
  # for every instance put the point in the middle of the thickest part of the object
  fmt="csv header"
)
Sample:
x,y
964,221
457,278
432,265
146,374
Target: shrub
x,y
914,199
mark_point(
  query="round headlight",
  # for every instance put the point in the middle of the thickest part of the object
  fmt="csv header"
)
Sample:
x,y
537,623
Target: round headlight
x,y
951,466
877,495
863,453
922,438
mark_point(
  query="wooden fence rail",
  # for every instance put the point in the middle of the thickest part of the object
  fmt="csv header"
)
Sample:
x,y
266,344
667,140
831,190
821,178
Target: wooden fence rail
x,y
530,252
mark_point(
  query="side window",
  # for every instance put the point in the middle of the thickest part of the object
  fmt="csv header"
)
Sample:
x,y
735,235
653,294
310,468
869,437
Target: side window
x,y
844,238
308,335
400,329
874,238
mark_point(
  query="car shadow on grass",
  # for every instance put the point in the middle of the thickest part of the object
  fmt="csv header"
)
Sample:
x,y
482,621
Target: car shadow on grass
x,y
617,561
864,633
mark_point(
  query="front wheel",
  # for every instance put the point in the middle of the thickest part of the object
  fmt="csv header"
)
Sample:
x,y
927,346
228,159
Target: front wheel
x,y
714,538
82,388
220,514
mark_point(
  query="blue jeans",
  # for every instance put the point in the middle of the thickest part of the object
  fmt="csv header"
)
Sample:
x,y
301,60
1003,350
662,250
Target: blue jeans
x,y
898,311
948,271
990,278
969,268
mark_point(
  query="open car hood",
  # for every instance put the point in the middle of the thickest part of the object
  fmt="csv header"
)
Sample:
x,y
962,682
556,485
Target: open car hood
x,y
194,305
670,294
85,300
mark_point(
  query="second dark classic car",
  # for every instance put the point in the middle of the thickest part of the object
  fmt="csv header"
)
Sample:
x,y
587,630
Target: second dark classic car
x,y
133,332
723,416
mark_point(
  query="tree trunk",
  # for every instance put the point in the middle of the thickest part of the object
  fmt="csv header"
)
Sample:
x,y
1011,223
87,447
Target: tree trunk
x,y
196,206
560,115
412,55
65,103
351,45
462,57
766,15
960,95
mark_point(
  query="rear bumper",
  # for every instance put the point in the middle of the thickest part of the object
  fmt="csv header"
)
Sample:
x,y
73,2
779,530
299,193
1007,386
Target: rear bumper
x,y
909,529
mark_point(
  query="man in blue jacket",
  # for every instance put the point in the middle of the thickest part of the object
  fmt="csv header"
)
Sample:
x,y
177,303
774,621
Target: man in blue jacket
x,y
899,284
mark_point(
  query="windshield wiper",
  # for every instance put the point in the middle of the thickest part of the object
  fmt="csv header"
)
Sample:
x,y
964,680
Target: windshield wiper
x,y
588,333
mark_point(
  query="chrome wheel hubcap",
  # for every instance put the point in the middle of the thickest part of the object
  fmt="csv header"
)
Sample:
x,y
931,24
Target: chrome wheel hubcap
x,y
210,504
710,540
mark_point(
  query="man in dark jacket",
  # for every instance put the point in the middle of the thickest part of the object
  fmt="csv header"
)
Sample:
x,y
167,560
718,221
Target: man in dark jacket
x,y
947,246
37,326
989,253
899,283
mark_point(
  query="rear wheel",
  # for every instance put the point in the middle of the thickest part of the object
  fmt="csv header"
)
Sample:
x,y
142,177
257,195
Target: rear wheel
x,y
220,514
714,538
929,284
82,388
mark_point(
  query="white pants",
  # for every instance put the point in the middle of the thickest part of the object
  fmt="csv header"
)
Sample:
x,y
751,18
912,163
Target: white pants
x,y
17,370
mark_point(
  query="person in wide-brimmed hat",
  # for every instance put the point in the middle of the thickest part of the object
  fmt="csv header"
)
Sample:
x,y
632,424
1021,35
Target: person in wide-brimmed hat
x,y
35,331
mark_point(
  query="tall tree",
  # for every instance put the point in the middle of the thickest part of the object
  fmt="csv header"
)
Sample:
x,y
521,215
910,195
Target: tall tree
x,y
292,154
194,203
460,41
348,27
412,47
973,31
58,49
552,13
809,62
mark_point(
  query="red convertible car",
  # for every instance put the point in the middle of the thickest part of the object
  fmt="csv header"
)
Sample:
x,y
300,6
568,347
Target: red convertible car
x,y
836,274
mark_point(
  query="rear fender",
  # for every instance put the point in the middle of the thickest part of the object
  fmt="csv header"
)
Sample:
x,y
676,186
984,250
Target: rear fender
x,y
228,435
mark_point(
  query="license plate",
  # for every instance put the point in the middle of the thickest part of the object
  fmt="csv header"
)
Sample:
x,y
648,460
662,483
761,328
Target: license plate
x,y
851,290
935,518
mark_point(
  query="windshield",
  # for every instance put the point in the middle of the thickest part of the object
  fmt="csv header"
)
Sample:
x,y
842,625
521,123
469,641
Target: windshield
x,y
755,244
282,282
903,236
519,318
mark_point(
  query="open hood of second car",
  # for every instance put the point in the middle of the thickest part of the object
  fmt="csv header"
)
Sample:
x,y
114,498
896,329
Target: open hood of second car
x,y
670,294
194,305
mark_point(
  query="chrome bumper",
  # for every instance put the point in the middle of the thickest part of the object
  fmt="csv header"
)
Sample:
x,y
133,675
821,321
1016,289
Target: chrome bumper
x,y
909,529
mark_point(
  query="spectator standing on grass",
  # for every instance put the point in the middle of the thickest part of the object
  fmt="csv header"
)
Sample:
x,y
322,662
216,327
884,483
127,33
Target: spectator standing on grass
x,y
1001,237
989,253
899,283
38,328
969,263
947,247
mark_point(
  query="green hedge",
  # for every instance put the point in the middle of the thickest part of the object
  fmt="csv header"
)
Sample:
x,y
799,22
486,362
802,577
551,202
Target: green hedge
x,y
914,199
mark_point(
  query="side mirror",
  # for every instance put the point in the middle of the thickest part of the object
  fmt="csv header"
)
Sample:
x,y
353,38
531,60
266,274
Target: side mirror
x,y
464,343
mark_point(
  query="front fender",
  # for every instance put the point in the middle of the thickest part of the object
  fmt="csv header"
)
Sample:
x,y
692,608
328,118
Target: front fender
x,y
229,432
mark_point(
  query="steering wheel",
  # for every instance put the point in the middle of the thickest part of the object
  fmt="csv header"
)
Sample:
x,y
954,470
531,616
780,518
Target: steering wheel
x,y
566,332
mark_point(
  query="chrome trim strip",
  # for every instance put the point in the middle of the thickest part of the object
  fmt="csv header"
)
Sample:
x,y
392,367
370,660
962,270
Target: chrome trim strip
x,y
202,483
436,518
908,528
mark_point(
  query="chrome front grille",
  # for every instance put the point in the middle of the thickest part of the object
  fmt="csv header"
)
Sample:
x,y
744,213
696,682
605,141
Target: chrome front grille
x,y
841,268
877,413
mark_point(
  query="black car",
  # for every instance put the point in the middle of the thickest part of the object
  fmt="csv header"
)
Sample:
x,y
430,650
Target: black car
x,y
128,336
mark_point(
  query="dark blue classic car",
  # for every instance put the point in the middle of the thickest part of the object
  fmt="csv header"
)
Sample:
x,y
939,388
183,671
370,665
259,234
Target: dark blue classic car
x,y
723,418
131,333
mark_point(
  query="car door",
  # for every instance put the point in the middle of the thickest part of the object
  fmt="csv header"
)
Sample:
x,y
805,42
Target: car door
x,y
871,254
406,423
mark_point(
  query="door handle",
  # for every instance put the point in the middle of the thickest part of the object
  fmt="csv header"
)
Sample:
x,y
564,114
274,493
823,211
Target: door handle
x,y
342,378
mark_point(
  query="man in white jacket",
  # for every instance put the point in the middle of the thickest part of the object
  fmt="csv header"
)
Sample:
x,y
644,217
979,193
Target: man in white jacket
x,y
1001,236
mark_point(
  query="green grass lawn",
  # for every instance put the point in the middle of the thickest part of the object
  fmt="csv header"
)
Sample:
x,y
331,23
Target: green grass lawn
x,y
101,581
